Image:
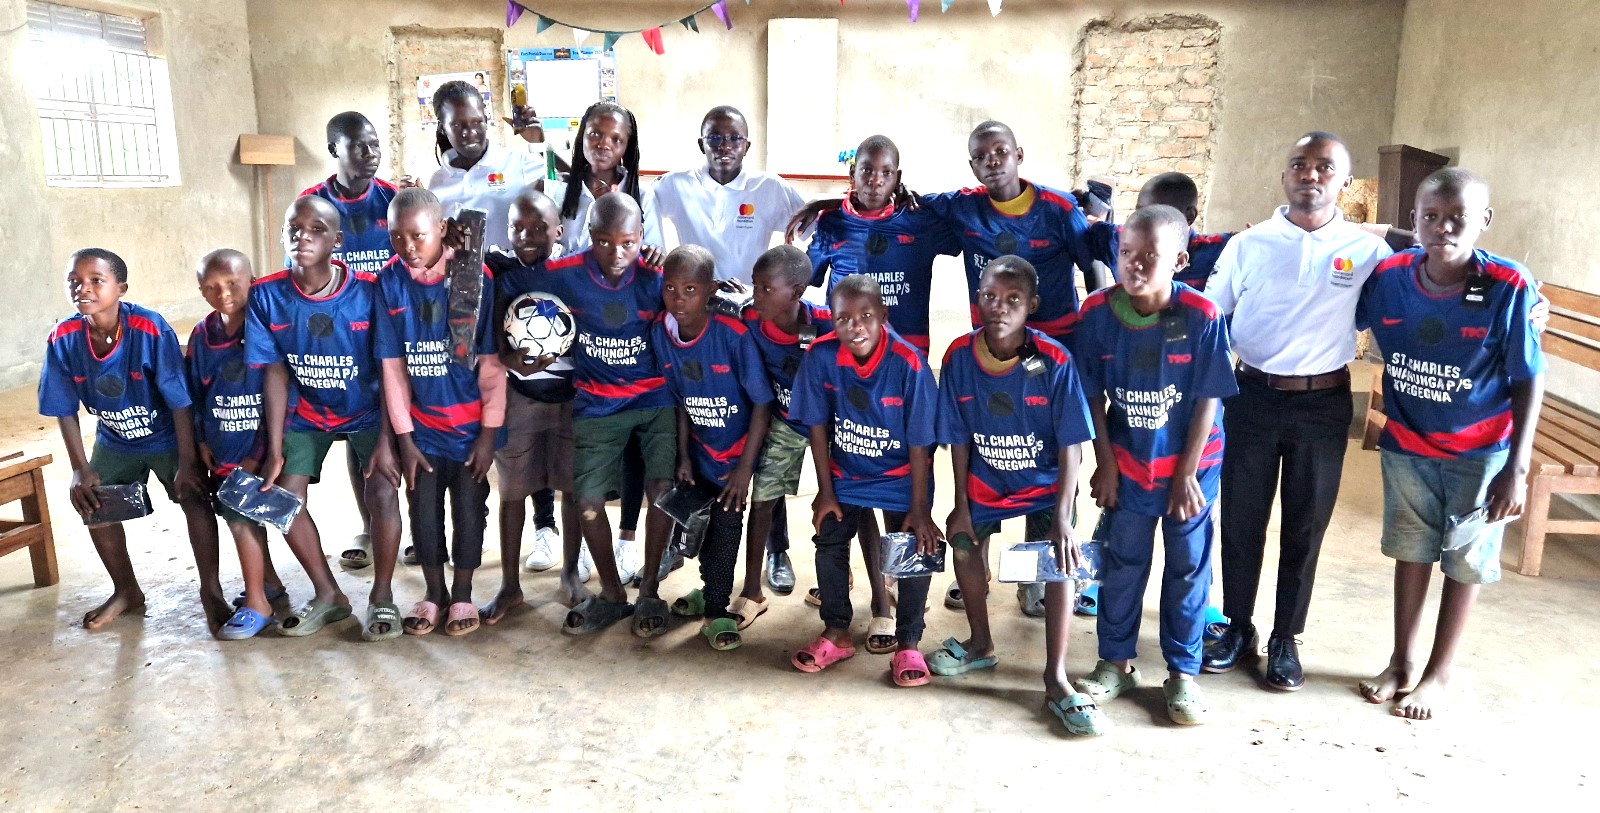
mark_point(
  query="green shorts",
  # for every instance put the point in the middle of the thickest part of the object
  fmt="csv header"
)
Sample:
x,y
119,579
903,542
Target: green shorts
x,y
126,468
303,452
1035,528
782,457
598,444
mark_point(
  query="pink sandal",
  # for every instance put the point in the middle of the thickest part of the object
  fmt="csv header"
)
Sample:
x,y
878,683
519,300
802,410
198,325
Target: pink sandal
x,y
909,660
462,611
425,611
824,653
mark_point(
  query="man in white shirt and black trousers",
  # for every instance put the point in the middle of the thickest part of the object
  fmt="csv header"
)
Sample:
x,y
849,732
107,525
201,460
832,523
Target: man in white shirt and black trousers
x,y
1291,285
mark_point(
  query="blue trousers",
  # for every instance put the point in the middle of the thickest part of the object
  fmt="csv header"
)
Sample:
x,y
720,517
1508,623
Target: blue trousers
x,y
1129,546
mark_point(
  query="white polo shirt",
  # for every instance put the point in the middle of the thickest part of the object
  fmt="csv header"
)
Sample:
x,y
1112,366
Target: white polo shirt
x,y
734,221
575,230
1292,293
491,185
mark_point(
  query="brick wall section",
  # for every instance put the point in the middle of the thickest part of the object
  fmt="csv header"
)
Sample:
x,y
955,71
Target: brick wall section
x,y
1146,101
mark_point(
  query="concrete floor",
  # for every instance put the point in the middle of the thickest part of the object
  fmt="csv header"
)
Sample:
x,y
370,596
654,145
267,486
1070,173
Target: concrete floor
x,y
154,714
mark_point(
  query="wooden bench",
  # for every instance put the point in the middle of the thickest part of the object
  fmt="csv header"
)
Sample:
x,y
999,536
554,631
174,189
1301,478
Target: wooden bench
x,y
1566,446
23,481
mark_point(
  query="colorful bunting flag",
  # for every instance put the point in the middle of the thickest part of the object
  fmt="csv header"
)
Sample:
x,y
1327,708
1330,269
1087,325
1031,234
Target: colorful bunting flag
x,y
913,6
513,12
652,38
689,23
944,5
611,40
579,35
542,22
994,8
721,10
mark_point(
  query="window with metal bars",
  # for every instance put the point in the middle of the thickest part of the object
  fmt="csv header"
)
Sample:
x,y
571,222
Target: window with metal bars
x,y
105,106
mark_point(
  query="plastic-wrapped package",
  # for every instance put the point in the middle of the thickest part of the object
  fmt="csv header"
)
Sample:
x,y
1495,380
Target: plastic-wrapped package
x,y
901,560
241,491
1462,530
1036,562
119,504
690,507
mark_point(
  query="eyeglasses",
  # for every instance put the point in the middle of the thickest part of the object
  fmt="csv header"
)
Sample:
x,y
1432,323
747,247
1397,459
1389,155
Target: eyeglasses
x,y
717,142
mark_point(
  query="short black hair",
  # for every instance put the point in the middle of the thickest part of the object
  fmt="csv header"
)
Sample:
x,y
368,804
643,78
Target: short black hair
x,y
788,262
119,267
1322,135
411,199
1160,218
531,195
1454,181
692,259
1173,189
992,126
224,256
723,111
1015,268
322,206
856,285
610,208
878,142
346,124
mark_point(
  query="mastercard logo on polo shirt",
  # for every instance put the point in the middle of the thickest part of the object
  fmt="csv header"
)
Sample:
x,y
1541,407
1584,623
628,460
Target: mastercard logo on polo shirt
x,y
497,179
747,210
1339,263
1343,275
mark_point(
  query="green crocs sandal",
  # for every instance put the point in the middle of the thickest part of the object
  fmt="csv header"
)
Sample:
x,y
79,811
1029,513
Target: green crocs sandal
x,y
691,605
954,659
1184,704
1107,682
1080,715
717,632
383,612
312,618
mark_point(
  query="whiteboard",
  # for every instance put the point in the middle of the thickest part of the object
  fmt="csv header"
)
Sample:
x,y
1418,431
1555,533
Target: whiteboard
x,y
562,82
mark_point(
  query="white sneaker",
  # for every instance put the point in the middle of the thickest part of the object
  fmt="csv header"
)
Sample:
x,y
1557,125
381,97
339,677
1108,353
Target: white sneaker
x,y
541,552
585,564
630,558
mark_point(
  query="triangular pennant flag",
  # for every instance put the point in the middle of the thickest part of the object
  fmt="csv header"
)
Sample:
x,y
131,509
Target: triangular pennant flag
x,y
944,5
579,35
513,12
611,40
652,37
689,23
994,8
914,6
541,22
721,10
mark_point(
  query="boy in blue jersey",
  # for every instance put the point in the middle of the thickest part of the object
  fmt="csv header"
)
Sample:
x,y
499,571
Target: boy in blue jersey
x,y
314,322
121,363
362,200
536,459
715,374
1177,190
227,408
1463,383
444,415
895,245
1153,356
615,297
784,325
1012,410
868,400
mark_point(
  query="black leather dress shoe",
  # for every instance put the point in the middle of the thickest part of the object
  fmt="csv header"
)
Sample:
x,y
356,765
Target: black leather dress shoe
x,y
1238,643
1283,664
780,574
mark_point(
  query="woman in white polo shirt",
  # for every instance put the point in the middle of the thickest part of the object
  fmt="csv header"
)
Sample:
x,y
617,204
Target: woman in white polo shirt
x,y
606,160
474,173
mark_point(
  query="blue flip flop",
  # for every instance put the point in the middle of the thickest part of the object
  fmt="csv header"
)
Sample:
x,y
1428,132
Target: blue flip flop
x,y
1088,601
245,623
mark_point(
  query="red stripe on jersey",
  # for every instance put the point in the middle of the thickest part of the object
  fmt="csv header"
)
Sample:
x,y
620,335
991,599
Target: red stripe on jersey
x,y
143,325
602,390
736,325
1487,432
1047,195
1203,239
449,418
1505,274
273,277
980,492
1055,351
565,262
898,471
961,343
1055,327
365,276
325,420
1145,474
65,329
912,357
730,453
1401,260
1199,303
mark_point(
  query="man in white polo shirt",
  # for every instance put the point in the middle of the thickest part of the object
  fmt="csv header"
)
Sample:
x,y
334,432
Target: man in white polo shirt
x,y
733,214
1291,285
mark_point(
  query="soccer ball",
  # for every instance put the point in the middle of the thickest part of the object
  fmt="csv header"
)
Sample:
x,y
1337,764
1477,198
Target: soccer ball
x,y
539,324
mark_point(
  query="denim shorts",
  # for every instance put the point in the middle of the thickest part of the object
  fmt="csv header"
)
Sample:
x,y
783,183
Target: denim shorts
x,y
1420,494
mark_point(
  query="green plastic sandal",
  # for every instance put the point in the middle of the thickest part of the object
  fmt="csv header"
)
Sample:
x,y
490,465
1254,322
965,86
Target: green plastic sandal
x,y
717,629
1107,682
1080,715
1184,704
691,605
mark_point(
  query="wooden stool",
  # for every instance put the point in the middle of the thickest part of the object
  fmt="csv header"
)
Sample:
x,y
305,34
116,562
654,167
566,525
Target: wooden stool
x,y
23,480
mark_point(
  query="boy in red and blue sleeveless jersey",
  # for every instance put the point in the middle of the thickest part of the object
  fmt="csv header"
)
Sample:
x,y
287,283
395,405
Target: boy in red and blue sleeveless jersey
x,y
784,325
1462,385
1153,356
894,244
868,400
715,374
614,298
1014,414
121,363
226,391
444,415
312,327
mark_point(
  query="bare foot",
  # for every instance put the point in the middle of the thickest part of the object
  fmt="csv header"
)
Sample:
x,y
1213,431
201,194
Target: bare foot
x,y
218,611
571,593
118,604
1382,687
496,609
1421,702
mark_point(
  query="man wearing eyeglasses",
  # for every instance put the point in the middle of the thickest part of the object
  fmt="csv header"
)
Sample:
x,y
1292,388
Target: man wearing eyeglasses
x,y
721,207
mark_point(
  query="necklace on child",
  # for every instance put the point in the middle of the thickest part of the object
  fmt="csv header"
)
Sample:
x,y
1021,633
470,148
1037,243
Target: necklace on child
x,y
114,337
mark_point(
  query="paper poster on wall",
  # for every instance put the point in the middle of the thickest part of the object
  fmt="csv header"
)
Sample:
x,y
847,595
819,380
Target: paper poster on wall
x,y
559,84
426,85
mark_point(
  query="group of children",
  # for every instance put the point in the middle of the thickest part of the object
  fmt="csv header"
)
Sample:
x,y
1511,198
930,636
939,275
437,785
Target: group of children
x,y
664,381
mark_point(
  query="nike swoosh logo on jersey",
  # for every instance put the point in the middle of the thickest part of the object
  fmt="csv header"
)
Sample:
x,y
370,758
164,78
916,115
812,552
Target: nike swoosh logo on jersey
x,y
279,327
840,244
397,311
962,399
1388,321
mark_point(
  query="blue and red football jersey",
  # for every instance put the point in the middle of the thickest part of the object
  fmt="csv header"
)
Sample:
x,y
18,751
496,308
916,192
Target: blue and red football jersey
x,y
1016,424
781,353
877,411
553,384
1051,236
227,394
896,249
364,221
717,377
132,390
1449,367
614,367
446,405
1152,371
327,344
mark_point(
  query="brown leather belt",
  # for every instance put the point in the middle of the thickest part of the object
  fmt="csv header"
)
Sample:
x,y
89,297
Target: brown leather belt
x,y
1297,383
